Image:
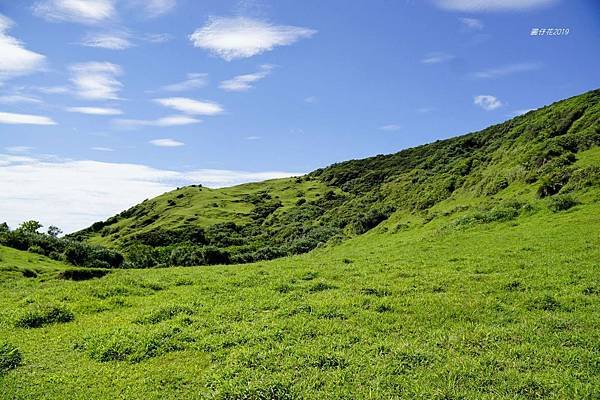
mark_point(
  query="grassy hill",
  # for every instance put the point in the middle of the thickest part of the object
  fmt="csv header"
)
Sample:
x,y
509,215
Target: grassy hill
x,y
444,310
464,269
502,170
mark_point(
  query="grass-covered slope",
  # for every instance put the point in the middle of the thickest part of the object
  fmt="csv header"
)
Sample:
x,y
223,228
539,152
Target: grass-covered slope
x,y
501,170
454,308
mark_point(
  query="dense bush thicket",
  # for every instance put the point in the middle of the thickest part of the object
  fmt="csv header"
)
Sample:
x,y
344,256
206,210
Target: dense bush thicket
x,y
537,149
26,237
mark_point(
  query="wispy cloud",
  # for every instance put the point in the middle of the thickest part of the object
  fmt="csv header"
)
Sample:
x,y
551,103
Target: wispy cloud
x,y
166,143
505,70
18,149
15,59
191,106
59,192
96,80
79,11
311,99
157,37
487,102
18,98
241,37
52,89
24,119
193,81
95,110
253,138
171,120
492,5
244,82
436,57
106,149
471,24
153,8
108,40
390,127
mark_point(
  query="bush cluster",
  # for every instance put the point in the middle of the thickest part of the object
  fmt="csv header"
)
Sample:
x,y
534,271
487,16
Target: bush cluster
x,y
27,238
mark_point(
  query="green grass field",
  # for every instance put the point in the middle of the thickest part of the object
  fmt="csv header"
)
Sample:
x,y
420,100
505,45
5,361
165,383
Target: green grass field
x,y
439,310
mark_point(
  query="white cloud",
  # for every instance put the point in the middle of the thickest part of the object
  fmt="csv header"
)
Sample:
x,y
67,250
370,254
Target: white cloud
x,y
193,81
108,40
18,98
95,110
240,37
311,99
15,59
157,37
24,119
73,194
107,149
506,70
472,24
80,11
153,8
190,106
487,102
244,82
390,127
53,89
172,120
437,58
253,138
96,80
166,143
18,149
492,5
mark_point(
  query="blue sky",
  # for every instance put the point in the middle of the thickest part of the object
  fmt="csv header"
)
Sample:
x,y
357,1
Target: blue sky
x,y
106,102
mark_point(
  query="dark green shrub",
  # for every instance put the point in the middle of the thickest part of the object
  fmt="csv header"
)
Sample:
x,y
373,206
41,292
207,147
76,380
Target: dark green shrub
x,y
10,357
561,203
82,274
44,315
264,209
372,218
29,273
268,253
321,286
36,249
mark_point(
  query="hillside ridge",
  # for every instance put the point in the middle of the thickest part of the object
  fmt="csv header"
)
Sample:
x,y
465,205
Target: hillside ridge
x,y
502,169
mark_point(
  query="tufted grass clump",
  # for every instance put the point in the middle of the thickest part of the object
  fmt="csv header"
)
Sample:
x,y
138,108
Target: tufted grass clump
x,y
164,313
38,316
10,357
133,345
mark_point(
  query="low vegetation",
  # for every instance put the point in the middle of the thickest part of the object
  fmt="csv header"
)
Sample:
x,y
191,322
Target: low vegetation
x,y
467,268
505,309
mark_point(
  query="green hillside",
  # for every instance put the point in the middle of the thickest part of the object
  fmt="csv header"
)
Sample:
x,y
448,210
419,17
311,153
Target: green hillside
x,y
464,269
502,170
498,310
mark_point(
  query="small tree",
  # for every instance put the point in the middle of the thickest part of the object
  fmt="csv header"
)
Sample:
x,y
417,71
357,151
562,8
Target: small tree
x,y
4,228
30,226
54,231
